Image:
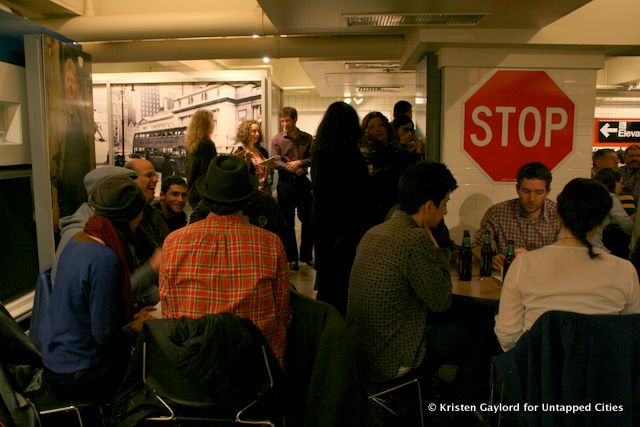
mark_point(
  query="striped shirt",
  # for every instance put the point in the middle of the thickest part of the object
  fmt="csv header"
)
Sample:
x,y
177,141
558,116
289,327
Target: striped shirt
x,y
509,221
223,263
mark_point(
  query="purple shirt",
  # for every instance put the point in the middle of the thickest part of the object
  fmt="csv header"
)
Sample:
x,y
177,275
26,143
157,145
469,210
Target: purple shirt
x,y
292,149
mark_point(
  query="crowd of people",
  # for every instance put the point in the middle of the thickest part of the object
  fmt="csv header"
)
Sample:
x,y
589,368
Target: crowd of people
x,y
372,226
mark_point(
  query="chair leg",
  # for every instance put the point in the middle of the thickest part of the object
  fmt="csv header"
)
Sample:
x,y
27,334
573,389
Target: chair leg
x,y
377,398
170,417
70,408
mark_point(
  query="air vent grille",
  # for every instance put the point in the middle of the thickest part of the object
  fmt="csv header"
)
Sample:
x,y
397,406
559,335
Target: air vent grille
x,y
413,20
385,66
363,89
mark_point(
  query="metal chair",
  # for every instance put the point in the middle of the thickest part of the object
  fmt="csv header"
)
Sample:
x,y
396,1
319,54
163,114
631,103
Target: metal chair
x,y
381,392
84,412
178,396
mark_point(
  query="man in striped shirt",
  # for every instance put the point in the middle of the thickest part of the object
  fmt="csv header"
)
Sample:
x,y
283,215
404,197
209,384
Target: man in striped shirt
x,y
223,263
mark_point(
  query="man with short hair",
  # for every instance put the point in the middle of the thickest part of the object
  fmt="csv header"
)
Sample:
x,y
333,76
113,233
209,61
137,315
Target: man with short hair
x,y
400,280
294,187
153,226
173,199
223,263
403,107
631,172
530,220
603,159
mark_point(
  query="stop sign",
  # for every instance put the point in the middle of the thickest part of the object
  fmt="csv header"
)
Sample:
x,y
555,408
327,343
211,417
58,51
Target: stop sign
x,y
517,117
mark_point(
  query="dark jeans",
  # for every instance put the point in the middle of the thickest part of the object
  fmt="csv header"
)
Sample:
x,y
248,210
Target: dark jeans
x,y
100,381
465,342
295,192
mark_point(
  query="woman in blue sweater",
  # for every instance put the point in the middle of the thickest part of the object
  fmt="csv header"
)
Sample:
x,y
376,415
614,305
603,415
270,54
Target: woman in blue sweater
x,y
91,322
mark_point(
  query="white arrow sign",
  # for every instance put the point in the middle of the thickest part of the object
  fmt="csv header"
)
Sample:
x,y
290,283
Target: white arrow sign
x,y
606,130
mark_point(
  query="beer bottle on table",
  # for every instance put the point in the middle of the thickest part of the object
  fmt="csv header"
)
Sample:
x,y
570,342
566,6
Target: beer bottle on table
x,y
511,255
486,256
466,258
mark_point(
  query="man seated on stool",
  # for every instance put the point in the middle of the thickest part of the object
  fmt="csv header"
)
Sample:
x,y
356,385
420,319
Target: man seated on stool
x,y
400,282
531,220
223,263
173,199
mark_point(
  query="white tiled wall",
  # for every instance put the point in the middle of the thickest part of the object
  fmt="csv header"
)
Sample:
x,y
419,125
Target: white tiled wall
x,y
612,110
476,191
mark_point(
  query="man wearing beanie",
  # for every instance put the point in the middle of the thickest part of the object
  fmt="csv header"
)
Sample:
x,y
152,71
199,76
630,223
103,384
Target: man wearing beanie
x,y
223,263
87,349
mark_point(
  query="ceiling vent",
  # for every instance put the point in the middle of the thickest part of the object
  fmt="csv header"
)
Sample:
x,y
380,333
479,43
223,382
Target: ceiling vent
x,y
375,66
413,20
363,89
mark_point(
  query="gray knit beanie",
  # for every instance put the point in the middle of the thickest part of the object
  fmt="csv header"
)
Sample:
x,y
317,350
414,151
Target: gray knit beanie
x,y
118,198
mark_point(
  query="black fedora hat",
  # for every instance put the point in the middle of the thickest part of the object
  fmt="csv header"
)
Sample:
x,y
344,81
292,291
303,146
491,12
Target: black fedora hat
x,y
228,180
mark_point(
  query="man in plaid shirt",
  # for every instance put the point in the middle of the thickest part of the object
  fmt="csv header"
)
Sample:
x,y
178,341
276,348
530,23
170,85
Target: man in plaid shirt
x,y
223,263
531,220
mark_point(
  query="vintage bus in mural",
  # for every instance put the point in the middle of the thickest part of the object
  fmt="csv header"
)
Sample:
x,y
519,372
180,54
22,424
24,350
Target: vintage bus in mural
x,y
161,141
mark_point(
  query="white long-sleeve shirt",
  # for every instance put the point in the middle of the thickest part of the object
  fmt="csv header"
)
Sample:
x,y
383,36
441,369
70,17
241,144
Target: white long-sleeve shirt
x,y
563,278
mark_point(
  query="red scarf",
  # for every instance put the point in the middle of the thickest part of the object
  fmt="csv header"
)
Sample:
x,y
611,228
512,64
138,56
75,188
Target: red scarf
x,y
100,227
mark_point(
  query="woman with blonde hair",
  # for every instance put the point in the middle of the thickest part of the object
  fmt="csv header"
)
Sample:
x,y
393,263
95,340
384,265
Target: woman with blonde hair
x,y
201,149
250,135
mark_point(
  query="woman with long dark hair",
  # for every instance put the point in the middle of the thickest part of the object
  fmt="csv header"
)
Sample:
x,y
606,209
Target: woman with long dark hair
x,y
340,212
570,274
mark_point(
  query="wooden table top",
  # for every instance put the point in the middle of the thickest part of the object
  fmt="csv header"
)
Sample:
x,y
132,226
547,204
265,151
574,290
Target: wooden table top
x,y
481,289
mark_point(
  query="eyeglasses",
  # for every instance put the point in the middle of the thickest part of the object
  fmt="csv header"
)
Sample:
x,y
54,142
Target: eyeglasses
x,y
408,129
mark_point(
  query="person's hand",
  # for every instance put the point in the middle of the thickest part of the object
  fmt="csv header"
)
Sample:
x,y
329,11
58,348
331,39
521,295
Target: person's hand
x,y
497,262
156,260
520,251
299,171
292,165
139,318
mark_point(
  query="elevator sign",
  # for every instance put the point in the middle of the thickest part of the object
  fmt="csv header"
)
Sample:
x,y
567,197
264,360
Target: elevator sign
x,y
618,131
517,117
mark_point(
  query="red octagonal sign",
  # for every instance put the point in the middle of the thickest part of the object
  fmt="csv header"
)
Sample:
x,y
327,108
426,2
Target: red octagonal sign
x,y
517,117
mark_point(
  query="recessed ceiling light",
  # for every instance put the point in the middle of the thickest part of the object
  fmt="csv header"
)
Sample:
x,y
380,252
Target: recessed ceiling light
x,y
266,60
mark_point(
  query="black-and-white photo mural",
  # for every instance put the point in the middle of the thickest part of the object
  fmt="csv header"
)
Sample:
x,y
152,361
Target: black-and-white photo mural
x,y
150,120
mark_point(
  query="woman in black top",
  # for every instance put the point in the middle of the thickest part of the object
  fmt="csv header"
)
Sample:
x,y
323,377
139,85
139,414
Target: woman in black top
x,y
201,150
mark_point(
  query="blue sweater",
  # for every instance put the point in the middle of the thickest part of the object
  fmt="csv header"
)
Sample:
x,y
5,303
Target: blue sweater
x,y
85,313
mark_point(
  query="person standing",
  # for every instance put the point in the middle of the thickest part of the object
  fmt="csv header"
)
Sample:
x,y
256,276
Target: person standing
x,y
254,154
201,150
294,187
340,210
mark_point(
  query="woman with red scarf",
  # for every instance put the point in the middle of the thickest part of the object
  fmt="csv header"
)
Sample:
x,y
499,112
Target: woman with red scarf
x,y
91,324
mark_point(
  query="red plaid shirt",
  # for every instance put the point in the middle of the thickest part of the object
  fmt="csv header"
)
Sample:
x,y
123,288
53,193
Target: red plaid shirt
x,y
508,221
222,263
